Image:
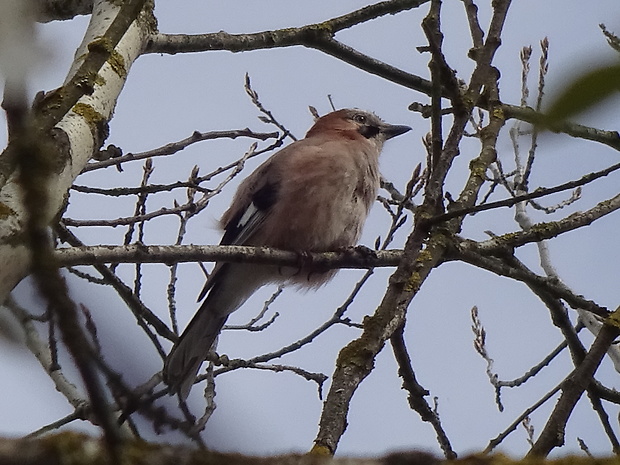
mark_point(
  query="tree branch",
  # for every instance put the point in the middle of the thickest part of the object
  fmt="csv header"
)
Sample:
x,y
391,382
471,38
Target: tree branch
x,y
555,288
356,257
416,392
305,35
54,10
572,389
542,231
537,193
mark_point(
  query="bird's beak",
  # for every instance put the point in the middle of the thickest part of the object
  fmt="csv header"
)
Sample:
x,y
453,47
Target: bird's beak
x,y
392,130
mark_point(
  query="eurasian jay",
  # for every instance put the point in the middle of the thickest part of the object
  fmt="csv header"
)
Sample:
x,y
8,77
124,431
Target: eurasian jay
x,y
313,195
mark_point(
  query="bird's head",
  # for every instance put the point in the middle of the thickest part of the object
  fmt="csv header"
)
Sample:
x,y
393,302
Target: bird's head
x,y
357,124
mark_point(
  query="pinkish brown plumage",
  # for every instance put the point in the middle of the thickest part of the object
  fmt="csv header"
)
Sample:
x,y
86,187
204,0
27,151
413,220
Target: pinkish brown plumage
x,y
313,195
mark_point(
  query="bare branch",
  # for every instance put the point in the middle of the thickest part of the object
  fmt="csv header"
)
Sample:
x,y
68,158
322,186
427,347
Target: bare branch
x,y
417,392
350,258
542,231
174,147
182,43
553,286
572,388
54,10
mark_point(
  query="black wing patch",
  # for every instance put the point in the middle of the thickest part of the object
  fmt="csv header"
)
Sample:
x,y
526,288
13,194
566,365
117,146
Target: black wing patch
x,y
245,222
265,197
242,226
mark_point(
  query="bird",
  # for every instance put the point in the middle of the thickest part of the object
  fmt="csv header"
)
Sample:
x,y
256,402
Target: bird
x,y
313,195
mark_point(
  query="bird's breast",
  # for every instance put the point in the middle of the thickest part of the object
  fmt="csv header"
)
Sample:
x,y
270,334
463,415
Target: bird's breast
x,y
325,209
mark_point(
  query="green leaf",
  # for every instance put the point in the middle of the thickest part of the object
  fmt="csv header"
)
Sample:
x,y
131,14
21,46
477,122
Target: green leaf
x,y
585,92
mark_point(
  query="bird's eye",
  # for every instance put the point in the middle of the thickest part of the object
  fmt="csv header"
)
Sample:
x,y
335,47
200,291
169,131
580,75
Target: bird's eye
x,y
359,118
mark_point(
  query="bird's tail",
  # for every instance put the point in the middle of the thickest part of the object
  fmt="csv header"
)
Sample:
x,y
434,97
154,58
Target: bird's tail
x,y
183,362
229,287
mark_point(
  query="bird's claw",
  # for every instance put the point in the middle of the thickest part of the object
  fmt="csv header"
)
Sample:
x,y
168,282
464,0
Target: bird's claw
x,y
366,252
